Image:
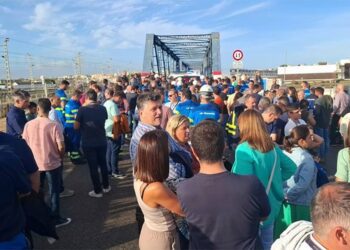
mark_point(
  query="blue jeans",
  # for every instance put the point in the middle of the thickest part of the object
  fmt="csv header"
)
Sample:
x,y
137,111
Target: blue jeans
x,y
112,155
324,133
96,157
266,236
54,179
17,242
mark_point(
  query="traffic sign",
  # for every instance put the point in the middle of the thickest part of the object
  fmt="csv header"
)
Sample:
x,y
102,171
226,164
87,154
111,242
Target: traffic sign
x,y
237,55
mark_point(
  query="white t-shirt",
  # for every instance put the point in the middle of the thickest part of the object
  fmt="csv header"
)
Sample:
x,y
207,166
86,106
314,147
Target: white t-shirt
x,y
292,124
53,117
344,122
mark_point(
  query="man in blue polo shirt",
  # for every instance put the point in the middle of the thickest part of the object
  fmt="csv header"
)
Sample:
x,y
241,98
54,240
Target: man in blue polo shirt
x,y
16,118
206,109
186,105
13,182
60,92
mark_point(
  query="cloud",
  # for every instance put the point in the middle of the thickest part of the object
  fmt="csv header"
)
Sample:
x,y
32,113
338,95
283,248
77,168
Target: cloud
x,y
246,10
212,10
5,9
3,32
53,25
132,34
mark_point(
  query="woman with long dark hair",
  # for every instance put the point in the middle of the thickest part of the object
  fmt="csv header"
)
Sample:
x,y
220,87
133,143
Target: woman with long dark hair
x,y
156,200
300,189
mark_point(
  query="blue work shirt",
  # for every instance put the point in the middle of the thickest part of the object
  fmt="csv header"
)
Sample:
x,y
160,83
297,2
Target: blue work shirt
x,y
61,94
185,108
204,111
15,121
244,87
60,114
71,110
231,89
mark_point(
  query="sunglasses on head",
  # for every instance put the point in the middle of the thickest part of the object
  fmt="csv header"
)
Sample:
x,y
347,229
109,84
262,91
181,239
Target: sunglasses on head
x,y
295,111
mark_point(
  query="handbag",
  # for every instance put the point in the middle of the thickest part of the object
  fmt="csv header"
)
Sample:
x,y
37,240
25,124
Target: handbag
x,y
121,126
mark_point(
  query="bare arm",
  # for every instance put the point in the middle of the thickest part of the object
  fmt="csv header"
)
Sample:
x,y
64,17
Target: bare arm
x,y
337,179
35,181
273,137
157,194
316,141
61,149
311,120
116,118
76,125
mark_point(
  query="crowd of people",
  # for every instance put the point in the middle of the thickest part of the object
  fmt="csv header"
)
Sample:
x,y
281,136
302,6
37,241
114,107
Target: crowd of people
x,y
191,195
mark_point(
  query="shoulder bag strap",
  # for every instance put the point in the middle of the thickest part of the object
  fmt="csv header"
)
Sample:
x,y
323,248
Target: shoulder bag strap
x,y
272,173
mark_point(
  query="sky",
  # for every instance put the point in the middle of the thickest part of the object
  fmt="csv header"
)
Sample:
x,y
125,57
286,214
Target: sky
x,y
110,34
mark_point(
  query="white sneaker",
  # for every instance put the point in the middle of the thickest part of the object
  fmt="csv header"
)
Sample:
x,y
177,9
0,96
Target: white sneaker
x,y
119,176
107,190
94,195
66,193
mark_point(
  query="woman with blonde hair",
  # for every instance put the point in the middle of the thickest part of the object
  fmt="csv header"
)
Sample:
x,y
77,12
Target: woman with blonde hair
x,y
179,129
258,155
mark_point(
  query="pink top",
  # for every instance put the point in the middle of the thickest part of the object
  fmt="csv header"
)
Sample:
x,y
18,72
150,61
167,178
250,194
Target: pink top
x,y
44,138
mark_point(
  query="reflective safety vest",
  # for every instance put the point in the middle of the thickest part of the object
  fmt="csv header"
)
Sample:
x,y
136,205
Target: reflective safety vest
x,y
231,125
61,94
71,111
60,114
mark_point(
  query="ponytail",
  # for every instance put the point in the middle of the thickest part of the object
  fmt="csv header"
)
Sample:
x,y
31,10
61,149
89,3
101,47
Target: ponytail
x,y
297,133
288,143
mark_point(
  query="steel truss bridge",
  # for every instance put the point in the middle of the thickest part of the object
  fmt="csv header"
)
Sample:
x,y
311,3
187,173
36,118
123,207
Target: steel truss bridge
x,y
165,54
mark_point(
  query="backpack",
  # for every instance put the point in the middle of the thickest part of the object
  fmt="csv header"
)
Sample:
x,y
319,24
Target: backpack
x,y
322,177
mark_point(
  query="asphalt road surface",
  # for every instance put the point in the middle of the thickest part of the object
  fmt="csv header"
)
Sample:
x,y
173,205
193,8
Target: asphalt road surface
x,y
108,222
97,223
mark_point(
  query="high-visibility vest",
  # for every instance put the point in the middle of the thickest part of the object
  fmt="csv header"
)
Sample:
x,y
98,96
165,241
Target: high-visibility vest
x,y
231,125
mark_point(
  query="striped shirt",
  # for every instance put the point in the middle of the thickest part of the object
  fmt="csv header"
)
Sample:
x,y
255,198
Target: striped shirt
x,y
177,170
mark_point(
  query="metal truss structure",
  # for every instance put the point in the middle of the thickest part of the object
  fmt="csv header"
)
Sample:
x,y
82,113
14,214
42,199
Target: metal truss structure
x,y
165,54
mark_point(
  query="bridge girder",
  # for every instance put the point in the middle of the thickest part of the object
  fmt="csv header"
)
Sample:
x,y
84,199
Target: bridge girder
x,y
170,53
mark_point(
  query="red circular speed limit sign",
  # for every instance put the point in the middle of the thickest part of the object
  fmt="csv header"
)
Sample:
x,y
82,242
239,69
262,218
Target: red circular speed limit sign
x,y
237,55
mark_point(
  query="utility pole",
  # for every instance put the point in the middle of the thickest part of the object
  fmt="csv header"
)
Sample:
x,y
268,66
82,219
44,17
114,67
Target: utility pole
x,y
79,64
30,62
5,56
110,66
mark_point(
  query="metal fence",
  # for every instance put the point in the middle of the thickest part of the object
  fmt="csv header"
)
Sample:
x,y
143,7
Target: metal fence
x,y
36,92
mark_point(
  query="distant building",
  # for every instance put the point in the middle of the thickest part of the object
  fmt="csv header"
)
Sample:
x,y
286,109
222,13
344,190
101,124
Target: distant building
x,y
264,73
322,71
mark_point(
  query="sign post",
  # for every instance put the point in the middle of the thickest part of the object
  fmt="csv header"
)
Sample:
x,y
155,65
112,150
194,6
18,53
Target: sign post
x,y
237,57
